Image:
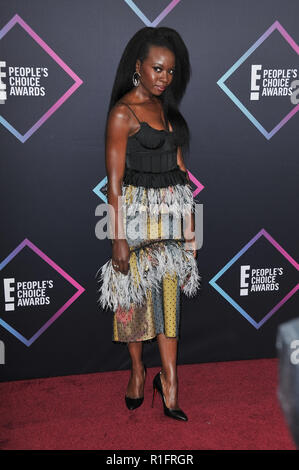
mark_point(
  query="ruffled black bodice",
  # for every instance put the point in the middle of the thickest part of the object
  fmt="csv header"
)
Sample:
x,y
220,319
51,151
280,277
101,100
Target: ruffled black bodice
x,y
151,159
149,179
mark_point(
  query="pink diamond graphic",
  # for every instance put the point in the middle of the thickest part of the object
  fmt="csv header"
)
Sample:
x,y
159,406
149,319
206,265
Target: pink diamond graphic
x,y
159,18
77,81
57,314
199,186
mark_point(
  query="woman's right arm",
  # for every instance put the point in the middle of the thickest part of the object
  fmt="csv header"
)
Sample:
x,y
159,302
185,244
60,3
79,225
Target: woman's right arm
x,y
118,127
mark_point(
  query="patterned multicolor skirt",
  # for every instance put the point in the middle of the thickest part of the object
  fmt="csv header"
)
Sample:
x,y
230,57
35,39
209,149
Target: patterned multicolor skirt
x,y
147,301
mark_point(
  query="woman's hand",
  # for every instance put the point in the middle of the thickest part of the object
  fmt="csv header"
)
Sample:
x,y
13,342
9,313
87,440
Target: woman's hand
x,y
120,255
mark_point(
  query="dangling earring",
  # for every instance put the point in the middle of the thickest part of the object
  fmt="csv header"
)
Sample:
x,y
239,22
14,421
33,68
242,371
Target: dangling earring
x,y
136,81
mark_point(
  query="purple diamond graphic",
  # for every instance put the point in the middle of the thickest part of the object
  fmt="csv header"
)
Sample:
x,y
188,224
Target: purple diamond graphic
x,y
276,26
77,81
246,315
57,268
159,18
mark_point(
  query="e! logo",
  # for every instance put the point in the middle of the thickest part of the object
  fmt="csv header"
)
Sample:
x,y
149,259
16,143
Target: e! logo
x,y
3,95
255,88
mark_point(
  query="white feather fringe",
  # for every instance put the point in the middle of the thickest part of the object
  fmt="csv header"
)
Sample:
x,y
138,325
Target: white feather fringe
x,y
177,199
153,262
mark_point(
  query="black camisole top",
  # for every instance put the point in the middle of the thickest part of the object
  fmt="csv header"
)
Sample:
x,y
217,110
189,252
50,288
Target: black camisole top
x,y
151,158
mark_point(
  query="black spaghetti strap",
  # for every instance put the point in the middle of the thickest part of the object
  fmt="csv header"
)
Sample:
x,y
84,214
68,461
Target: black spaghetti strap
x,y
165,120
167,125
131,110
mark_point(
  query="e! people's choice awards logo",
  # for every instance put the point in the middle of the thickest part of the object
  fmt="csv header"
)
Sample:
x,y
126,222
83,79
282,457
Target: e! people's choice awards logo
x,y
35,292
264,82
34,80
259,279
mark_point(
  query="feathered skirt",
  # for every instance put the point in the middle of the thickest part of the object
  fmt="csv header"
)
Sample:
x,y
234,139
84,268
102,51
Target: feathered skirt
x,y
147,301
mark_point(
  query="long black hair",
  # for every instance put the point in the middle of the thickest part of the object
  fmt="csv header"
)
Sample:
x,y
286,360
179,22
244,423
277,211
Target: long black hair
x,y
138,48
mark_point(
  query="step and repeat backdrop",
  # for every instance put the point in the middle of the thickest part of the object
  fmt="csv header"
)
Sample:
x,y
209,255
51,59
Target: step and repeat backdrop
x,y
58,61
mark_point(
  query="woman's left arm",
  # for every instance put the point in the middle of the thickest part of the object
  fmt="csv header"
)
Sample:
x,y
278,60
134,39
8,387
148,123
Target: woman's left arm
x,y
189,230
180,162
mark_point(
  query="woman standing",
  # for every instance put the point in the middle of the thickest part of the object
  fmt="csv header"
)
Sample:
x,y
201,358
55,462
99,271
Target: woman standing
x,y
153,259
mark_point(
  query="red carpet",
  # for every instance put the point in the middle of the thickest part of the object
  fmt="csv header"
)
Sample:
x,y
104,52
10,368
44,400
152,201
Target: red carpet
x,y
230,405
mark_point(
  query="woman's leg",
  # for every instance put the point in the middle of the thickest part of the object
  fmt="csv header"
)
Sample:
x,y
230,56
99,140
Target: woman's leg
x,y
136,383
168,353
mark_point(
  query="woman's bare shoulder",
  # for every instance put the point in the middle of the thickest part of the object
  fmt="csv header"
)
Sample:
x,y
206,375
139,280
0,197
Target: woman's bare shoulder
x,y
119,112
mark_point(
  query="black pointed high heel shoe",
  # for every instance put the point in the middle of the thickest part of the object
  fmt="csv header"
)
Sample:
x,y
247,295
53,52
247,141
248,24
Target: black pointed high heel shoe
x,y
172,413
133,403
